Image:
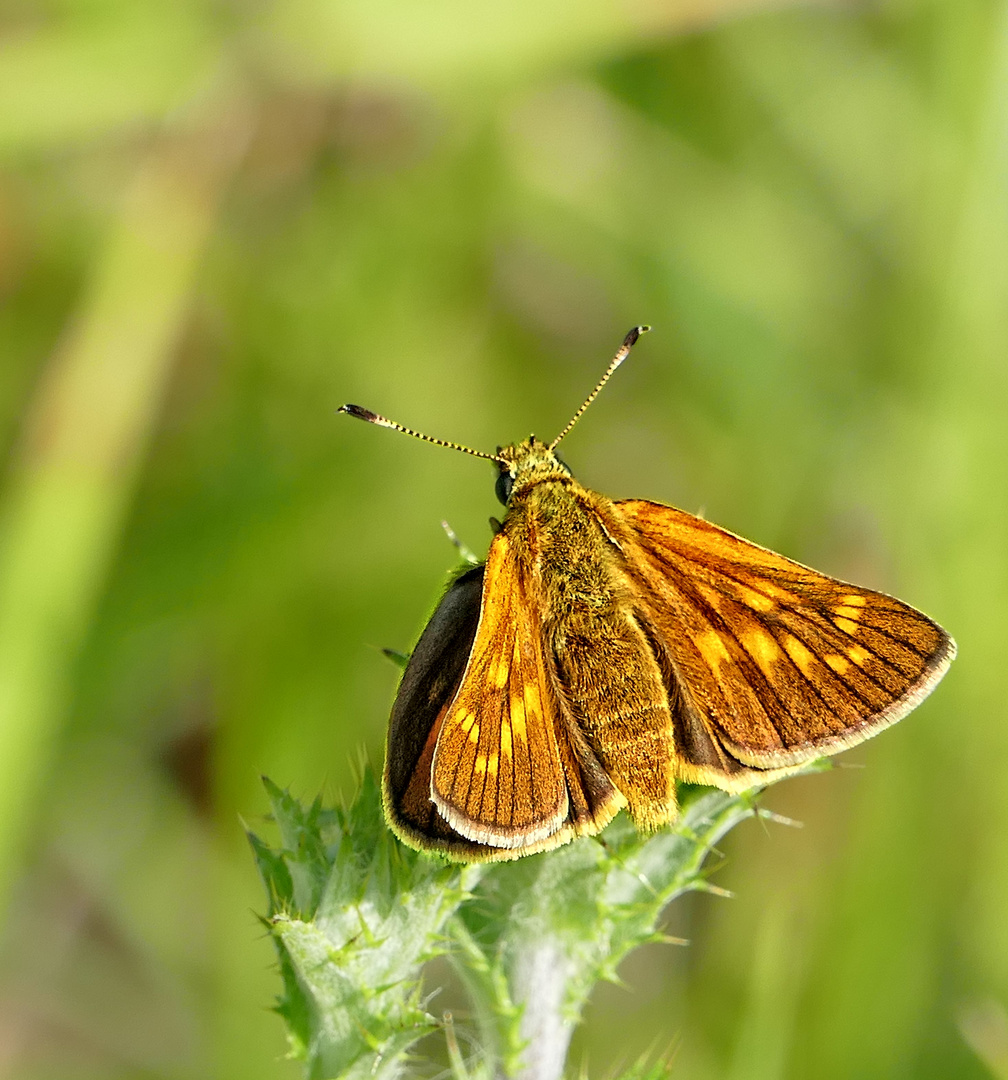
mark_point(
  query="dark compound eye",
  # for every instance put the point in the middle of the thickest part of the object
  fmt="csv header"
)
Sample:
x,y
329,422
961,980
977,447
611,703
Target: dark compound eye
x,y
503,489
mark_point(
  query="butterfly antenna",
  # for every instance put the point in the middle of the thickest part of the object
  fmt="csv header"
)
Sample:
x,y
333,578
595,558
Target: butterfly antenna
x,y
381,421
621,354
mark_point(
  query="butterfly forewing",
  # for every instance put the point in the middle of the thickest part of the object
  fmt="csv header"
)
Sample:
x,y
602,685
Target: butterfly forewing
x,y
497,775
778,663
428,685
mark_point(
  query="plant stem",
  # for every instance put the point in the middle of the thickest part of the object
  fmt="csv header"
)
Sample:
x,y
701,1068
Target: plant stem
x,y
540,971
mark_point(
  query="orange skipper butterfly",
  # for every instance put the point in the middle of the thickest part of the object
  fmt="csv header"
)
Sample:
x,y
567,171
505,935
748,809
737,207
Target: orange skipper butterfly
x,y
606,650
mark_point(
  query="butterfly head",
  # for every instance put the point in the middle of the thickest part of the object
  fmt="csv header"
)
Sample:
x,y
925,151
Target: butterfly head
x,y
526,463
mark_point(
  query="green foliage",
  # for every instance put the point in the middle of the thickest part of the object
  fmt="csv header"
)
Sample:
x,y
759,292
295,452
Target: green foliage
x,y
355,915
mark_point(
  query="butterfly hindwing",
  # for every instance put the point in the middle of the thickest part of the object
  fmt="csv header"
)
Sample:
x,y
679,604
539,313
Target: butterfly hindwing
x,y
769,664
428,685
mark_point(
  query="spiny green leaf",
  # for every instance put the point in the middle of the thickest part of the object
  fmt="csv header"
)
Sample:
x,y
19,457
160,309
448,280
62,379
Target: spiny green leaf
x,y
361,915
274,873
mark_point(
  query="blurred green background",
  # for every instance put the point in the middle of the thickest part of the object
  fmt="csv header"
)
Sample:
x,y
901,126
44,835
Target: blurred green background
x,y
221,219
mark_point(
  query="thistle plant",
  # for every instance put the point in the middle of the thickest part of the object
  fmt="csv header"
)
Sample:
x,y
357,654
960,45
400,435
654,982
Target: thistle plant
x,y
356,916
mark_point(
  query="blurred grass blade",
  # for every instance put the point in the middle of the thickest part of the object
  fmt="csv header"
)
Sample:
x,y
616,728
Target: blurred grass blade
x,y
94,72
84,439
444,41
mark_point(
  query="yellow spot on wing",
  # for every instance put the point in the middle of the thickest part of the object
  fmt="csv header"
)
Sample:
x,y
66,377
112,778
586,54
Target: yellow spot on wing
x,y
858,655
491,764
772,590
518,717
801,657
712,596
466,720
846,625
481,763
756,600
848,612
505,739
531,703
713,650
500,674
838,663
474,734
763,649
853,601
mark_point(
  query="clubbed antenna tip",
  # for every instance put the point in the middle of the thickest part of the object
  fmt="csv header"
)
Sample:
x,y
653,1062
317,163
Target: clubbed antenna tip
x,y
361,413
364,414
